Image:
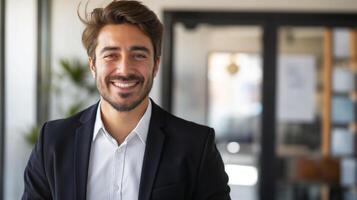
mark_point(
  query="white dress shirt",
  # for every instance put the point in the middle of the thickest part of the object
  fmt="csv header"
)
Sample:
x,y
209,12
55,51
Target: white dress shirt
x,y
115,170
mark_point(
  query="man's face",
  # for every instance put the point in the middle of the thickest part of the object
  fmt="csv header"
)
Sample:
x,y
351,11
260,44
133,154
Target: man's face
x,y
124,67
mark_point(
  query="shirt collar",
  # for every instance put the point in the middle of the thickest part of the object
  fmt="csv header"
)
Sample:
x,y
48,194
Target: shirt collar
x,y
141,128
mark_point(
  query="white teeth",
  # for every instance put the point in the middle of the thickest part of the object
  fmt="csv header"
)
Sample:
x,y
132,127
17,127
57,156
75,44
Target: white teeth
x,y
124,85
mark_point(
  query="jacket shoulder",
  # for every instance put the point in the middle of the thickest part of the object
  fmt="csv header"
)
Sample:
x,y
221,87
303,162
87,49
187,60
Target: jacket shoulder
x,y
64,124
61,129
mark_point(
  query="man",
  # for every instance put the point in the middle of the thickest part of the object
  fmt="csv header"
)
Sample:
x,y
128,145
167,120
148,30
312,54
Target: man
x,y
124,147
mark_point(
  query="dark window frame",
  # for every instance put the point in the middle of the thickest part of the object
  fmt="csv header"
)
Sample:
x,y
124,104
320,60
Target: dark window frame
x,y
43,60
2,95
270,23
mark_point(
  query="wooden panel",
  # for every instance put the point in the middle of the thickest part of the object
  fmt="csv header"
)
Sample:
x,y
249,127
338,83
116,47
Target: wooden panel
x,y
325,170
326,110
353,49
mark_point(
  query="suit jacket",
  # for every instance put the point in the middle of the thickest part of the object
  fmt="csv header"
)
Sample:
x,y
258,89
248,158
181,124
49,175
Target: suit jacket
x,y
181,160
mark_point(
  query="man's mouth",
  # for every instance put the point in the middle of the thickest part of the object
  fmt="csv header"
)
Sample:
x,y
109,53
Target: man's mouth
x,y
125,84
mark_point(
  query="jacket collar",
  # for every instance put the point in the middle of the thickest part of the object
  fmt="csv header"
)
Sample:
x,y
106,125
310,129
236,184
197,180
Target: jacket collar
x,y
153,149
83,141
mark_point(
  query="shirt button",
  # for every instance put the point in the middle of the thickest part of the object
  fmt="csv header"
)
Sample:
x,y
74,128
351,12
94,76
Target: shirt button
x,y
119,149
116,187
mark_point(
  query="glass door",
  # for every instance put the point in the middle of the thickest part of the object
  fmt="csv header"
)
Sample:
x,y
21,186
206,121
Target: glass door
x,y
280,98
218,82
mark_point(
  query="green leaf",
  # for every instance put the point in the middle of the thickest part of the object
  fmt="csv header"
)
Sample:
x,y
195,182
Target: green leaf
x,y
75,108
32,135
76,71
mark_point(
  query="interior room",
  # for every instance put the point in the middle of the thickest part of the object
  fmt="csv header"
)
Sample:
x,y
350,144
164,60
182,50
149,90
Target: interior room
x,y
275,79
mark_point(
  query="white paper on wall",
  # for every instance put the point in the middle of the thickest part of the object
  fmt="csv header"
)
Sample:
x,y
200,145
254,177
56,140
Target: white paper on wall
x,y
342,79
341,42
296,88
342,142
348,171
342,110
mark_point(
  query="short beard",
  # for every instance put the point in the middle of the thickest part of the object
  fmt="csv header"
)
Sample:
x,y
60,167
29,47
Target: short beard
x,y
127,108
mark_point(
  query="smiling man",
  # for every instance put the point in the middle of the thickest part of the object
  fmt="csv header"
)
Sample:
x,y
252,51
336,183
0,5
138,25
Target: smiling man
x,y
125,146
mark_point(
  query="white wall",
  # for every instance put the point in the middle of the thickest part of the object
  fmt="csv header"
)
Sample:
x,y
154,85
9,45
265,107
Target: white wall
x,y
66,44
20,66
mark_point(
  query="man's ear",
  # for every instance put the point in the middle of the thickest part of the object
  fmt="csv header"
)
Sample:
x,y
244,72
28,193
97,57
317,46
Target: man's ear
x,y
156,66
91,63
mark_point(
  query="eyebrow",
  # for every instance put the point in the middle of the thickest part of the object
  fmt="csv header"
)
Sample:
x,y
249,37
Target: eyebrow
x,y
139,48
133,48
109,49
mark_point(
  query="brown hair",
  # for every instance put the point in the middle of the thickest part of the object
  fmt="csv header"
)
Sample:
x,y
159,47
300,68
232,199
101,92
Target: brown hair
x,y
120,12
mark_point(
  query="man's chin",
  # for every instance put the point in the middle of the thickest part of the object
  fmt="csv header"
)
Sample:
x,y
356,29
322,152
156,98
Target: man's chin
x,y
125,96
126,104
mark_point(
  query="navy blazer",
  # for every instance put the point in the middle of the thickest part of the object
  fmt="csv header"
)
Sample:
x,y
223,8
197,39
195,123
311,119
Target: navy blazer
x,y
181,160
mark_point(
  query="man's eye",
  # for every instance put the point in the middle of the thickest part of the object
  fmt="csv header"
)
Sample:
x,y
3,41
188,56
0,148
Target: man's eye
x,y
140,56
110,56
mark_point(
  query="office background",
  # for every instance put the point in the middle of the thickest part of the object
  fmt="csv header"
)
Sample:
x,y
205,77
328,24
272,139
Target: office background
x,y
37,36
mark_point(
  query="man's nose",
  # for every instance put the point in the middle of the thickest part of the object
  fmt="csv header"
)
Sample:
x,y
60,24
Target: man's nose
x,y
124,65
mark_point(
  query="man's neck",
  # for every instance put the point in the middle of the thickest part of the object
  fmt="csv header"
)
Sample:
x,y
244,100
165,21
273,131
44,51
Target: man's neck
x,y
120,124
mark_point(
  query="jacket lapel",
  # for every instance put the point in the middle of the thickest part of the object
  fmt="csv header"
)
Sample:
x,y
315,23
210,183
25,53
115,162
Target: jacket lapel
x,y
154,143
83,141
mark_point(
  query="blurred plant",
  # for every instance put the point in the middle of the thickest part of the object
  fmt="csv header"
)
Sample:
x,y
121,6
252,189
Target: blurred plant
x,y
77,73
32,135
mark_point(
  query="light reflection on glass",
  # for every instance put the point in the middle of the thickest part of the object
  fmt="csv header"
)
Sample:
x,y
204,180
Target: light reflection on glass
x,y
233,147
234,95
241,175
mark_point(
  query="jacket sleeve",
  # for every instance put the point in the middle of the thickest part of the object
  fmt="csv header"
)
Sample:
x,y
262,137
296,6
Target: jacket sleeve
x,y
212,181
36,183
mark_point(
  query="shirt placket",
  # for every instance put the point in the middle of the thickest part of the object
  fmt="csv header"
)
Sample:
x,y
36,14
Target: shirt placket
x,y
118,172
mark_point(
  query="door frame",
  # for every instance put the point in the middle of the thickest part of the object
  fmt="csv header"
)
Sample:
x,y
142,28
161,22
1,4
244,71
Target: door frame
x,y
2,95
270,23
43,60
